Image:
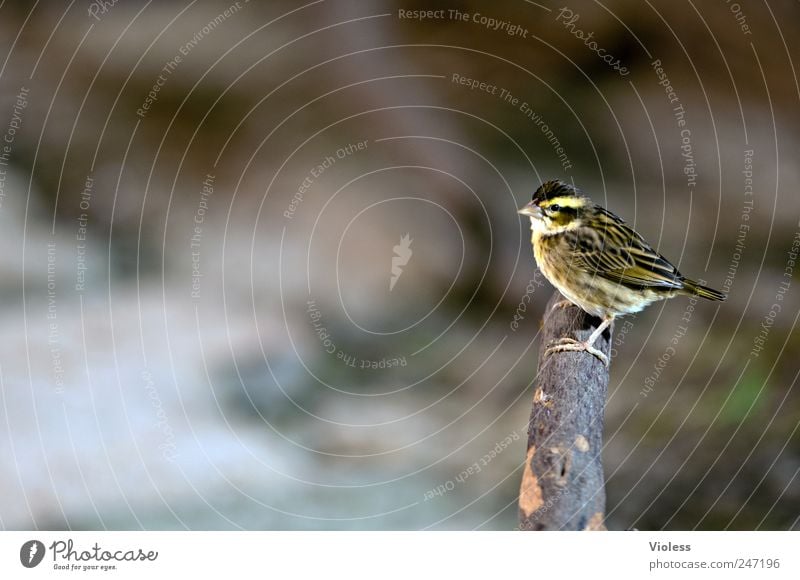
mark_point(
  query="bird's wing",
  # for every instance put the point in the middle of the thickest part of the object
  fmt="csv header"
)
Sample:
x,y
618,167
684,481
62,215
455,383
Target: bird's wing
x,y
614,251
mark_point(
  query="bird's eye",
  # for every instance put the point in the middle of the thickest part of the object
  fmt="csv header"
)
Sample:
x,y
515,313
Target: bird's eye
x,y
555,207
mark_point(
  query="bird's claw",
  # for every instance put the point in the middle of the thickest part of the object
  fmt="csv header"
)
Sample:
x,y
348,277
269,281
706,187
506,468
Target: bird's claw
x,y
572,345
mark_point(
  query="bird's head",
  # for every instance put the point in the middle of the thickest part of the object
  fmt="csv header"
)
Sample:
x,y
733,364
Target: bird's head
x,y
556,206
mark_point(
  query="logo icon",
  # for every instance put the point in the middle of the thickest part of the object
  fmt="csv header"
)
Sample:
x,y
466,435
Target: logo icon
x,y
31,553
402,255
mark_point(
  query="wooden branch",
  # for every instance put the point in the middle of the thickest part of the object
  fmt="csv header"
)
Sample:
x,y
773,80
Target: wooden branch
x,y
563,485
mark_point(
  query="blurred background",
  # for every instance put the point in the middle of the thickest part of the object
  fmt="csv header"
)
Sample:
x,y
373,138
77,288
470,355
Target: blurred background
x,y
262,265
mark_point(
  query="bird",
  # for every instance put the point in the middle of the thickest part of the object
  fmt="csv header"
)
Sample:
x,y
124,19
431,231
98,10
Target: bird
x,y
598,262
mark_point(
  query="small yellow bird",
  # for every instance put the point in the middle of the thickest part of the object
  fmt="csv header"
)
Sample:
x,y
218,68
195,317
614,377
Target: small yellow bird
x,y
598,262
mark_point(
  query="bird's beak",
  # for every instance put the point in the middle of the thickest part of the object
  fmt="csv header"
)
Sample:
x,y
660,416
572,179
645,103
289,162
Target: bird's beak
x,y
530,209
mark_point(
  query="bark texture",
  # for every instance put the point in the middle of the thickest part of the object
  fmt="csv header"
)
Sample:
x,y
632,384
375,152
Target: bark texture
x,y
563,487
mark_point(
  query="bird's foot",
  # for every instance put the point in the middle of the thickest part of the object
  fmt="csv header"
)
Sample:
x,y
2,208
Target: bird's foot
x,y
572,345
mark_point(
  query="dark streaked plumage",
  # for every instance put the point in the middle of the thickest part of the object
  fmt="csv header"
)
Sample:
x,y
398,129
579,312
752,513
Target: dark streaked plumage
x,y
551,189
597,261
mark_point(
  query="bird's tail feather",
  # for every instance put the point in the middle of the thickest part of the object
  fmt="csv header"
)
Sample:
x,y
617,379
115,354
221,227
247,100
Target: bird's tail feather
x,y
692,287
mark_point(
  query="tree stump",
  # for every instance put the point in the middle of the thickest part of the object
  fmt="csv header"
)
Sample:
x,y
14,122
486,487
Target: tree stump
x,y
563,484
